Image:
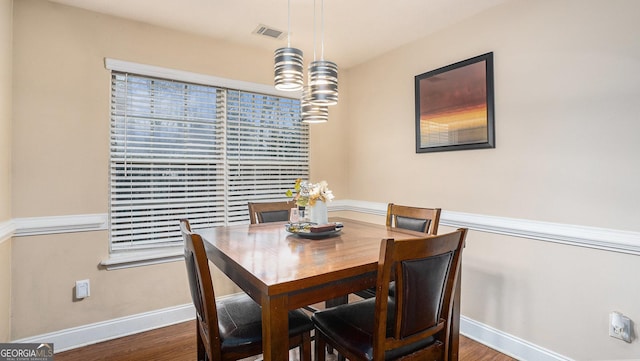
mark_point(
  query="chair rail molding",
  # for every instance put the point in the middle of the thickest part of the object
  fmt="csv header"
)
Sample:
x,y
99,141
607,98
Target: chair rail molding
x,y
60,224
7,230
575,235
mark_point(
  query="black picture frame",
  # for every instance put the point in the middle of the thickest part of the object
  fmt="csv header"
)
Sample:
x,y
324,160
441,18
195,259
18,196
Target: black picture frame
x,y
455,106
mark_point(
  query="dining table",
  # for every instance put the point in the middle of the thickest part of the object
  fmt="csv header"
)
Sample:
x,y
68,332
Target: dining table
x,y
284,271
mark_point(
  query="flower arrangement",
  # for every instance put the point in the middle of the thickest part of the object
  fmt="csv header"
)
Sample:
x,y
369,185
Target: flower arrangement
x,y
309,193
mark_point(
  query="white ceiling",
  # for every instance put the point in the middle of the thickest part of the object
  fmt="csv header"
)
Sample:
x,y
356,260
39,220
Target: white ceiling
x,y
354,30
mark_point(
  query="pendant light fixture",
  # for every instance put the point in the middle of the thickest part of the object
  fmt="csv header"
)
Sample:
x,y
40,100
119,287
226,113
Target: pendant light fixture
x,y
323,74
288,68
312,113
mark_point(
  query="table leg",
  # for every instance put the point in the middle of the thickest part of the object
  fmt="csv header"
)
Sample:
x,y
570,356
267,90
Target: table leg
x,y
337,301
275,329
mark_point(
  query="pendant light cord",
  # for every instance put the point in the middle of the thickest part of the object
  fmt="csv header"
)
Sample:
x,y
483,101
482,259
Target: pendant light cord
x,y
322,29
288,23
314,30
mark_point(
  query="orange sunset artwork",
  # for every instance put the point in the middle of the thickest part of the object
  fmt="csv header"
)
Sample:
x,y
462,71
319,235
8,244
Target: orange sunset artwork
x,y
453,107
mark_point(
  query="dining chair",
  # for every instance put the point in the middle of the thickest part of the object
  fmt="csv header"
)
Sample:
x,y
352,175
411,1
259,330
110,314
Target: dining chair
x,y
413,325
265,212
230,328
425,220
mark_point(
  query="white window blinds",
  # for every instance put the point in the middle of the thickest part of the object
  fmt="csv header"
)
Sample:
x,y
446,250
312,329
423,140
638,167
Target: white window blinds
x,y
267,149
181,150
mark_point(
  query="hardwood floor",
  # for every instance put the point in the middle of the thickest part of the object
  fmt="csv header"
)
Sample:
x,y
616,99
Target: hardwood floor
x,y
177,343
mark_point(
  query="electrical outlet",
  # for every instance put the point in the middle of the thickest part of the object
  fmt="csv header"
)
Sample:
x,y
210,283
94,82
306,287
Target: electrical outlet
x,y
82,289
620,326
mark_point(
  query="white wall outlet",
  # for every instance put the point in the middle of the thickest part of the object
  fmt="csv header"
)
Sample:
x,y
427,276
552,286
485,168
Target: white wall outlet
x,y
82,289
620,326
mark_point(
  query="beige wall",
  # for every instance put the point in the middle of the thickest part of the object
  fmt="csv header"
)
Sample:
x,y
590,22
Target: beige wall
x,y
566,109
6,57
6,61
45,270
566,93
61,140
329,144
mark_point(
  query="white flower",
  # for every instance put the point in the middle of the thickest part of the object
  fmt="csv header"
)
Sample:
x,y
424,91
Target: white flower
x,y
309,193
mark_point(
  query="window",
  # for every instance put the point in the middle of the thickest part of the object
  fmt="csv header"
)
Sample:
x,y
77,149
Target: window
x,y
187,150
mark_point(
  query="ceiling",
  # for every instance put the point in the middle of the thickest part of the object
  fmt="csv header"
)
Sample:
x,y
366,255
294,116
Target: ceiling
x,y
354,30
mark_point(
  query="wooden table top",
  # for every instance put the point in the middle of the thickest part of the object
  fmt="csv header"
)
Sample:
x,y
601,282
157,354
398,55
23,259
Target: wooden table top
x,y
276,261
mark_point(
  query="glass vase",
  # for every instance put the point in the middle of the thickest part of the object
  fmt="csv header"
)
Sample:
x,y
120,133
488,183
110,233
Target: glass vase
x,y
303,214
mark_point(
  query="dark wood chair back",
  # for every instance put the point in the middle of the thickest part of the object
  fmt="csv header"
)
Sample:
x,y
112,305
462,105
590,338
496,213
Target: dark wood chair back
x,y
265,212
426,271
425,220
202,293
415,324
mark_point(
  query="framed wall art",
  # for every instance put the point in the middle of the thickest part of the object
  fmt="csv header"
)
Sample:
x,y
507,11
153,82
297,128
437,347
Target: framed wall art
x,y
454,106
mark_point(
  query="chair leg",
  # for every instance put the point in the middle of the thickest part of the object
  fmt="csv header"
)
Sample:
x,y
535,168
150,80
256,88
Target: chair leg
x,y
305,347
202,353
320,347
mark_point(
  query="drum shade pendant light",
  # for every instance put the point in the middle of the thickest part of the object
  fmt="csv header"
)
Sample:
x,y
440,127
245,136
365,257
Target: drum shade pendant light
x,y
312,113
323,74
288,69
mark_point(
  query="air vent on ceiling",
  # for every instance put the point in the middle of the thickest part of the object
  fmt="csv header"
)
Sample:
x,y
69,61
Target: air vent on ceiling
x,y
269,32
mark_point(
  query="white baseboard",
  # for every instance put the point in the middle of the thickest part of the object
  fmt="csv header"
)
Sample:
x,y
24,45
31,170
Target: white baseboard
x,y
506,343
107,330
76,337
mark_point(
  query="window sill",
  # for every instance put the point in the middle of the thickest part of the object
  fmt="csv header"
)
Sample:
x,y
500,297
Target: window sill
x,y
131,259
